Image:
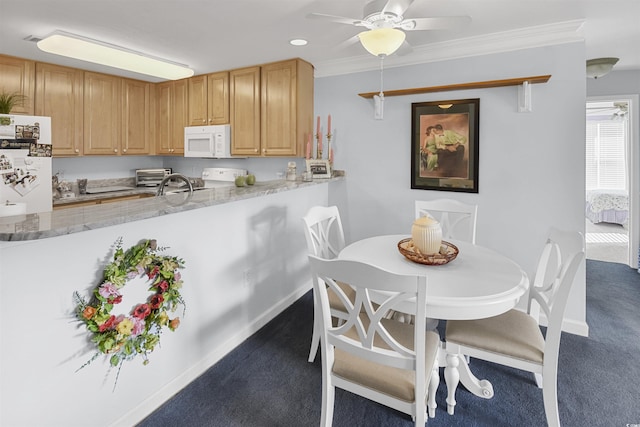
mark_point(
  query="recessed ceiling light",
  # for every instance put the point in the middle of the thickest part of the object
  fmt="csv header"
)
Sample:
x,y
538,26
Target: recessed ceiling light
x,y
298,42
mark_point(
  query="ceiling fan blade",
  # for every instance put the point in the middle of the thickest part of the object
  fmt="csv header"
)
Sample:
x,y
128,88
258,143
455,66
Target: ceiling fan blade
x,y
397,7
404,49
440,23
349,42
333,18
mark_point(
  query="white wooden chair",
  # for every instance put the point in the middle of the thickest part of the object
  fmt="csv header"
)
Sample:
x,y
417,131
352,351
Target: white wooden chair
x,y
325,238
389,362
514,338
457,219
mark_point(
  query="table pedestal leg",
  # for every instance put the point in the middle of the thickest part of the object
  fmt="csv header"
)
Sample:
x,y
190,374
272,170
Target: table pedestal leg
x,y
457,371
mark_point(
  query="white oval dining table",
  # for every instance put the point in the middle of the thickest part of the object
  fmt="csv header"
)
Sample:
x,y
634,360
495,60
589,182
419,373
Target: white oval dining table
x,y
478,283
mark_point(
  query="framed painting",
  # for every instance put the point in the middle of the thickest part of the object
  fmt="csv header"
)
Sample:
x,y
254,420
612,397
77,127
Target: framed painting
x,y
444,145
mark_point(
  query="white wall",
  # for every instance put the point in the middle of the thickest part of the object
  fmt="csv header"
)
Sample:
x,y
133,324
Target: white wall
x,y
531,164
43,345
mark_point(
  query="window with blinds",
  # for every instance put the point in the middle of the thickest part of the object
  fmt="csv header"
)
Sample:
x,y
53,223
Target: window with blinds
x,y
606,165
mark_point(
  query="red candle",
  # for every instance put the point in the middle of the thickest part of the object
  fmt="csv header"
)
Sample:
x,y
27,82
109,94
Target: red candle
x,y
329,125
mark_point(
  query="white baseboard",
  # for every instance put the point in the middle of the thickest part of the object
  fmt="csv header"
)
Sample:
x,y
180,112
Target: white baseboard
x,y
156,400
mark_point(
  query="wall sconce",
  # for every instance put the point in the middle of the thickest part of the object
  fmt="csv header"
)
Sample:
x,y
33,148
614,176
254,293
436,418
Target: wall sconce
x,y
599,67
85,49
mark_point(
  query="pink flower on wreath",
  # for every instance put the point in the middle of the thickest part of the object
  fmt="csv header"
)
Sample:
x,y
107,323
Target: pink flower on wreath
x,y
154,272
138,327
140,269
115,299
132,274
141,311
163,286
156,301
108,289
177,276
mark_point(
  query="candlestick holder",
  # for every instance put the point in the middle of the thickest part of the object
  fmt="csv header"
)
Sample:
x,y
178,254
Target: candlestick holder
x,y
329,147
319,147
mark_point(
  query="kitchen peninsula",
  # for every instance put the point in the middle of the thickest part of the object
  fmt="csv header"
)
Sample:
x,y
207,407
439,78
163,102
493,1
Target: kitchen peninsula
x,y
245,262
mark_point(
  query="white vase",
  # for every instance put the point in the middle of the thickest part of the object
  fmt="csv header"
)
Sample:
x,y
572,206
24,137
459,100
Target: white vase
x,y
427,235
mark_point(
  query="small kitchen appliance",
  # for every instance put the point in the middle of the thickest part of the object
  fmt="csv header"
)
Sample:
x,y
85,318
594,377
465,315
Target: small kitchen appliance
x,y
207,141
151,177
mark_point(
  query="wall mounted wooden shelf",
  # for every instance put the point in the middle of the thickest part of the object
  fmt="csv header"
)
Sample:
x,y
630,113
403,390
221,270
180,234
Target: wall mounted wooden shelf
x,y
461,86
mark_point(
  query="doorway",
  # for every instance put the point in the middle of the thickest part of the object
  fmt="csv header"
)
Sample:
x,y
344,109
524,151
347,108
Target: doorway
x,y
611,179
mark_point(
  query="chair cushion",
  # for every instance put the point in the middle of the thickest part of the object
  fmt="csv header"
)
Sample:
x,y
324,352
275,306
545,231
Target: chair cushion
x,y
395,382
513,333
334,301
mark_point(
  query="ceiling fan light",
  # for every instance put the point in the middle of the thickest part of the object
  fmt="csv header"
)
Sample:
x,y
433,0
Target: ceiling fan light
x,y
382,41
600,66
84,49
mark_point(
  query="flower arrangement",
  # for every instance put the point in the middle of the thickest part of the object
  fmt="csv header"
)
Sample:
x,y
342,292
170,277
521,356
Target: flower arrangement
x,y
124,337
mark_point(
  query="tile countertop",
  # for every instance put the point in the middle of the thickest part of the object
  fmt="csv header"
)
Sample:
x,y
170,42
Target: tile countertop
x,y
83,218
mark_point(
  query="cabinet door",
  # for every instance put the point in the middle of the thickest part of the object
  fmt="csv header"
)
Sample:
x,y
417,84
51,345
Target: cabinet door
x,y
198,101
135,117
18,76
278,126
180,115
102,114
163,117
245,111
287,107
218,98
59,95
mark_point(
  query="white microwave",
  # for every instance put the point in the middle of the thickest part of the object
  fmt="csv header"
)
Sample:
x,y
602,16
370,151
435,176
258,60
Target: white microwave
x,y
207,141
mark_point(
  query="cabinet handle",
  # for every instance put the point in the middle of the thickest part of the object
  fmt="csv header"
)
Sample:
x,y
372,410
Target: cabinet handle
x,y
255,150
264,150
124,150
204,120
77,150
115,150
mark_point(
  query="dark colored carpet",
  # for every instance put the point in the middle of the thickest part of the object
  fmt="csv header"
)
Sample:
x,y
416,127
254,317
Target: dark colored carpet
x,y
267,380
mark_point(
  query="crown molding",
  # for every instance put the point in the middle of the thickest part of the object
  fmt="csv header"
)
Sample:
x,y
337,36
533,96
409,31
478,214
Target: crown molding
x,y
506,41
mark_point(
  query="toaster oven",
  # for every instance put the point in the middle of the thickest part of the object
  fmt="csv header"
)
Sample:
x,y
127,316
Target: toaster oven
x,y
151,177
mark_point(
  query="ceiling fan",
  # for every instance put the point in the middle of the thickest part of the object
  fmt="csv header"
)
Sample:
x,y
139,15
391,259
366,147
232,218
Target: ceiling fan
x,y
389,14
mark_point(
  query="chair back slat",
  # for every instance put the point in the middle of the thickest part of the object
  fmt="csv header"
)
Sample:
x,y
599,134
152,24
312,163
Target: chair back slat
x,y
323,231
365,333
457,219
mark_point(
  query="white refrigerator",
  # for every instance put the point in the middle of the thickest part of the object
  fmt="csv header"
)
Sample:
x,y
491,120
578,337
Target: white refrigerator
x,y
25,163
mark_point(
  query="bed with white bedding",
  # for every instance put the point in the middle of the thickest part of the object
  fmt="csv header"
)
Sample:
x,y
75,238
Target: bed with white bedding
x,y
607,206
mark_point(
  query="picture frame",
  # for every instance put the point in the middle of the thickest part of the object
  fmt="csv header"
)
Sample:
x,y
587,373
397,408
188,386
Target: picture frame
x,y
445,145
319,168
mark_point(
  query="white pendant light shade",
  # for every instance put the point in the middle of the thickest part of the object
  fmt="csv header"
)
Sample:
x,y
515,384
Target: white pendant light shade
x,y
85,49
600,66
382,41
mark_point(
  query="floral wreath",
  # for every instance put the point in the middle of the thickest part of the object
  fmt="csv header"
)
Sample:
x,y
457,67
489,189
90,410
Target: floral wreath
x,y
126,336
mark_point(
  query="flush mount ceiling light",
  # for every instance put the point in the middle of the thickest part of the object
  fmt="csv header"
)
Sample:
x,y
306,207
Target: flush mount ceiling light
x,y
85,49
600,66
298,42
382,41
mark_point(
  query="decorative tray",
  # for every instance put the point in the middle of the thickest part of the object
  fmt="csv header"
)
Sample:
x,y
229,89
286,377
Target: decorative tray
x,y
448,252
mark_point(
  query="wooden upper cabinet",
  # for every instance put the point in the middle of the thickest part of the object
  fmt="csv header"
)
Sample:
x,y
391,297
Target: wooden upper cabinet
x,y
171,116
136,110
218,98
102,113
286,107
209,99
17,76
59,95
244,103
